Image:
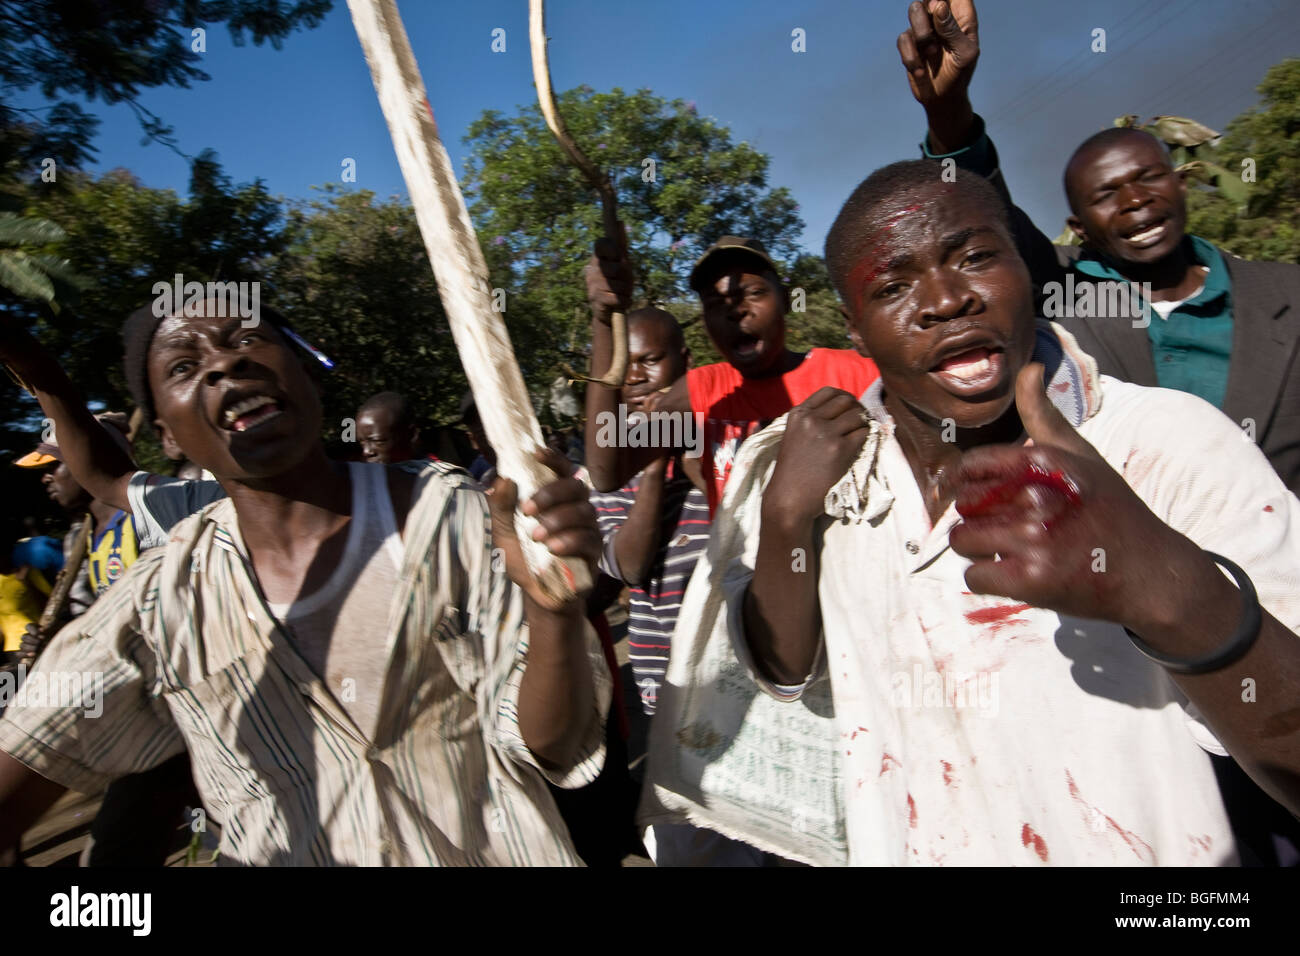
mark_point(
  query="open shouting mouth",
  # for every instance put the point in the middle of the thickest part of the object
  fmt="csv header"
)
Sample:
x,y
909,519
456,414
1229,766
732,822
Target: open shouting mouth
x,y
247,413
746,347
1145,234
969,367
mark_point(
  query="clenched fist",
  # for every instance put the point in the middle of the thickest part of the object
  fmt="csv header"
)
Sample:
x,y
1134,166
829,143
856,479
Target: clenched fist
x,y
823,437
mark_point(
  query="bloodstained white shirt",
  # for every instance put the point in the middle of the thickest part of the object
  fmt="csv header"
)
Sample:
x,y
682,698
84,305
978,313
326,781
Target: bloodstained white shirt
x,y
978,730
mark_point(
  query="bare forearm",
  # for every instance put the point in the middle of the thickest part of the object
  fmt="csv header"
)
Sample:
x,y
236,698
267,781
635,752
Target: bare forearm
x,y
610,465
635,542
557,692
1251,704
782,615
950,126
603,458
95,460
24,797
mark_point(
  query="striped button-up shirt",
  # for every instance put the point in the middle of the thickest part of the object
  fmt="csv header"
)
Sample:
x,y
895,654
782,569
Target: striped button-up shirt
x,y
683,533
190,658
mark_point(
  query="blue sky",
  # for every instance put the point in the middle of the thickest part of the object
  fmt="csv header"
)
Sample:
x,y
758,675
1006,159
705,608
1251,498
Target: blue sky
x,y
827,117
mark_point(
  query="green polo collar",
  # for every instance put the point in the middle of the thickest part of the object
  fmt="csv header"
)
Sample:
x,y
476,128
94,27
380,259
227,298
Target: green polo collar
x,y
1204,253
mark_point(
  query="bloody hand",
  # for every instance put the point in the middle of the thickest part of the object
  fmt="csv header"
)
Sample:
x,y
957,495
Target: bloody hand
x,y
1050,523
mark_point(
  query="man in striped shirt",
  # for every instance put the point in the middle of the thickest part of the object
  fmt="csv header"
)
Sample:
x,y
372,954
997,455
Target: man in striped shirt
x,y
655,526
407,711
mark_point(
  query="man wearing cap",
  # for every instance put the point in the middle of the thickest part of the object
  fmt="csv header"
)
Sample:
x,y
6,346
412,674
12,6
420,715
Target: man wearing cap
x,y
745,306
139,813
113,544
91,458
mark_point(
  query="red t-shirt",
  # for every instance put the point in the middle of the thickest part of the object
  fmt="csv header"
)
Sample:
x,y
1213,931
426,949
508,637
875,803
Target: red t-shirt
x,y
734,407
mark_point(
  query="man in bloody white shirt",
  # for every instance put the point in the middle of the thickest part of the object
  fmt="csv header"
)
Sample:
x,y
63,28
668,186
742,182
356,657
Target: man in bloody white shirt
x,y
967,591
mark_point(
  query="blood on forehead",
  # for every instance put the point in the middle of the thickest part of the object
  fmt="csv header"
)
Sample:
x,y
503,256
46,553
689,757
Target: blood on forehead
x,y
881,246
876,253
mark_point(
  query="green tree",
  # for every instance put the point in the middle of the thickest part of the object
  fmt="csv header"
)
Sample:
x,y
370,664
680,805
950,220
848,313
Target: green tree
x,y
681,183
27,274
1264,141
355,278
112,50
120,237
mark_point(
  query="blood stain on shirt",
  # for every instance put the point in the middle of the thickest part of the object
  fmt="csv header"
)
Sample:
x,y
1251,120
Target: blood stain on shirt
x,y
1029,838
888,762
911,812
860,730
1268,508
947,772
1138,466
1141,849
996,617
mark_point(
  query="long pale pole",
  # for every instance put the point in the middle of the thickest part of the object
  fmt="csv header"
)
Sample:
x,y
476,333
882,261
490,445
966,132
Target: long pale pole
x,y
613,377
499,392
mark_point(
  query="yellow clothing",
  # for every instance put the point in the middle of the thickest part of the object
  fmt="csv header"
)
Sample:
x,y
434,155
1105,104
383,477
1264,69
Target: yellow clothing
x,y
110,551
18,608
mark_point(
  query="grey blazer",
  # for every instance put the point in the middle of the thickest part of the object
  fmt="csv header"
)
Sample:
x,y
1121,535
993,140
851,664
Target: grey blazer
x,y
1263,392
1264,370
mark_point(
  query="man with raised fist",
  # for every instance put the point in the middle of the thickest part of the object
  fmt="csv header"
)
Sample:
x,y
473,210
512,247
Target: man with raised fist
x,y
1039,594
1208,323
1216,326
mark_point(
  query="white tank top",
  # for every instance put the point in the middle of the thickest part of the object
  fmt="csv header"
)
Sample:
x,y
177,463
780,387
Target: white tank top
x,y
340,628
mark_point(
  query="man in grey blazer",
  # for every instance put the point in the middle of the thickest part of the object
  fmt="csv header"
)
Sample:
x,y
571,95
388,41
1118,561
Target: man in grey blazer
x,y
1152,304
1195,318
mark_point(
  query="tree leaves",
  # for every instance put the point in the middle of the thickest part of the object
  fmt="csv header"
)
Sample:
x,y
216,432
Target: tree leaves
x,y
1180,131
681,182
114,51
24,278
32,275
15,229
1254,209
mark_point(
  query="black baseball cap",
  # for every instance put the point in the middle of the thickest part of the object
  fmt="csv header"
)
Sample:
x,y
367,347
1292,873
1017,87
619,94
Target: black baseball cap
x,y
731,245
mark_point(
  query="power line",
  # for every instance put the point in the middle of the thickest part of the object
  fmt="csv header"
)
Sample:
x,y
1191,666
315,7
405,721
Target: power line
x,y
1052,89
1160,23
1206,75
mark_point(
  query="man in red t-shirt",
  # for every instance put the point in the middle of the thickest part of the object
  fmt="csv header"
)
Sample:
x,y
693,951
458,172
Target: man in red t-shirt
x,y
745,305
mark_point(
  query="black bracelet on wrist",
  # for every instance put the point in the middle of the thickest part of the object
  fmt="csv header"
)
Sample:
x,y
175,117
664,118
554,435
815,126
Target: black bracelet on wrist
x,y
1248,628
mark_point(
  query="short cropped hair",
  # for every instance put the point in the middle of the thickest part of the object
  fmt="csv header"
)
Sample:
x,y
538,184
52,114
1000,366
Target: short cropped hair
x,y
676,338
859,218
1095,144
403,415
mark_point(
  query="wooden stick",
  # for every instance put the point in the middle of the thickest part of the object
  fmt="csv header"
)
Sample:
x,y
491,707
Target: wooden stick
x,y
18,380
462,276
62,589
613,377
